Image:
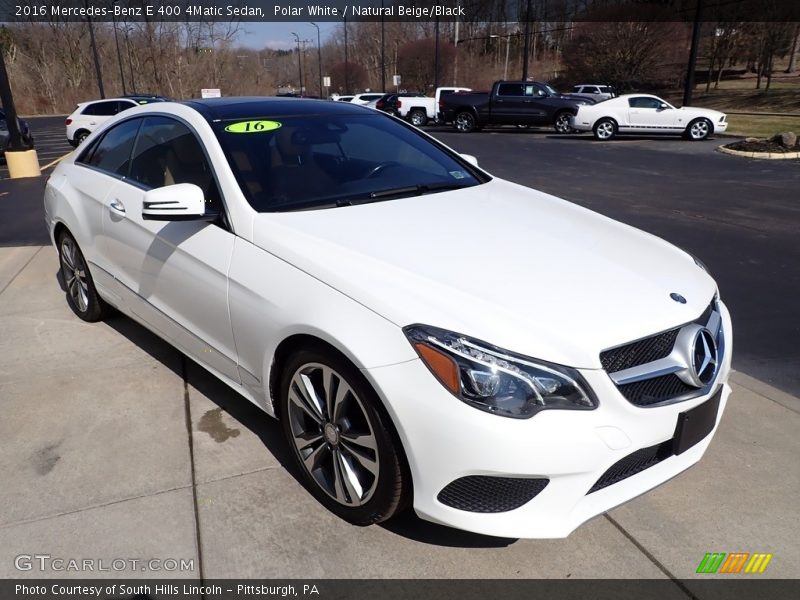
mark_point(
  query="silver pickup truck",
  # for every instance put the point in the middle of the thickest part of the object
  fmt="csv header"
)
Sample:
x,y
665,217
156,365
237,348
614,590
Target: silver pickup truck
x,y
598,93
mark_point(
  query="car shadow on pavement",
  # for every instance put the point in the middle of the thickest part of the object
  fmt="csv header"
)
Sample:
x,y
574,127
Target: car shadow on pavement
x,y
269,431
410,526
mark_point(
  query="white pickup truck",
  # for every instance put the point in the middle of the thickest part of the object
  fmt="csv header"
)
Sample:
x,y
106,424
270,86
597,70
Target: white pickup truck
x,y
421,110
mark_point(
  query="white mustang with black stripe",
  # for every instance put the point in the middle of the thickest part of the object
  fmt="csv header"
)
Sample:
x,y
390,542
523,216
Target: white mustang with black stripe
x,y
645,114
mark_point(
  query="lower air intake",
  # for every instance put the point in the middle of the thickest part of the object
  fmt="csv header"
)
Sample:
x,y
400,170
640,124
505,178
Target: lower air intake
x,y
482,494
632,464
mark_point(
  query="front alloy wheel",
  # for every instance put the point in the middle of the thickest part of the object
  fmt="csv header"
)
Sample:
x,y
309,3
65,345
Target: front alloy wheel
x,y
340,438
82,296
699,130
561,124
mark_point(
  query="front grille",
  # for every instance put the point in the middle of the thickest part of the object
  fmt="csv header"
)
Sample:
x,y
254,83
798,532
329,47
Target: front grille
x,y
639,353
655,390
482,494
632,464
656,362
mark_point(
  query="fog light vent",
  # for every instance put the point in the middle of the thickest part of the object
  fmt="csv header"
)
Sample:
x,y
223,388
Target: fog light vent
x,y
482,494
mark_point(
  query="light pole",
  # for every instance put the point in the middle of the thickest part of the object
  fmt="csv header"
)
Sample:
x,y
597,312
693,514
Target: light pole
x,y
346,64
319,59
383,50
299,61
527,40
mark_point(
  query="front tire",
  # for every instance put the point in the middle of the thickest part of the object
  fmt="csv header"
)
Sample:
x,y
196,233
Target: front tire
x,y
698,130
341,438
561,124
82,296
418,118
605,129
465,122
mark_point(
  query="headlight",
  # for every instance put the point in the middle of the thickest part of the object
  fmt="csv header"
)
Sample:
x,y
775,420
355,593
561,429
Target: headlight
x,y
495,380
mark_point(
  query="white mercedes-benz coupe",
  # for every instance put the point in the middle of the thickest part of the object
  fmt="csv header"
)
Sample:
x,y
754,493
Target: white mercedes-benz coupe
x,y
504,361
645,114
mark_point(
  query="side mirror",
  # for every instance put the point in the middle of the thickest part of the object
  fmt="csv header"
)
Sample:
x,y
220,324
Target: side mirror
x,y
470,159
178,202
663,106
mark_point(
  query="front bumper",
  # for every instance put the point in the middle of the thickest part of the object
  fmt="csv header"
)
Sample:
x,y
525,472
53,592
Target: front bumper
x,y
445,440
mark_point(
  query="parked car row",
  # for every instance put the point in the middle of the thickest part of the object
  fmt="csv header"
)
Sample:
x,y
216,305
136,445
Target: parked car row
x,y
588,108
593,108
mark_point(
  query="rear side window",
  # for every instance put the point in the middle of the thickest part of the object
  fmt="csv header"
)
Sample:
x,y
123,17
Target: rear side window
x,y
113,153
124,105
510,89
102,109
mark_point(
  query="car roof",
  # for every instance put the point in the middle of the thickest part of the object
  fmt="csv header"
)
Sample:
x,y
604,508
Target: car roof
x,y
246,107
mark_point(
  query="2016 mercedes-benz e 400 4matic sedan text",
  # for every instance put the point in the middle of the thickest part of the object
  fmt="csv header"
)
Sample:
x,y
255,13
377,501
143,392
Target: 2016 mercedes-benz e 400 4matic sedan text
x,y
429,336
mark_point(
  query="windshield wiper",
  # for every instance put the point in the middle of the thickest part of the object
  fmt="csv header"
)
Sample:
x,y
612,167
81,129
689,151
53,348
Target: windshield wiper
x,y
415,190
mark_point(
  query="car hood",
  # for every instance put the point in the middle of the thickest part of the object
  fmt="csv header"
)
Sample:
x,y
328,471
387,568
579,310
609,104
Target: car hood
x,y
703,112
517,268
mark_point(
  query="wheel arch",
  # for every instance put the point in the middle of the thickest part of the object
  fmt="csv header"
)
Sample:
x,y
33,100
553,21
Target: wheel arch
x,y
304,341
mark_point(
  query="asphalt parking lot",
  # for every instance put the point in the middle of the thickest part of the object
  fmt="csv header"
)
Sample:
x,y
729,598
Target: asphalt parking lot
x,y
112,444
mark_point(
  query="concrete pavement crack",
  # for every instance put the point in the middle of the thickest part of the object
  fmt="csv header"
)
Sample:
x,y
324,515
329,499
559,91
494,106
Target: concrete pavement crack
x,y
651,558
188,412
22,268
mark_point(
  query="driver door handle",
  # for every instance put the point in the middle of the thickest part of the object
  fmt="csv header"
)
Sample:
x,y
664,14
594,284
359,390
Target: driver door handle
x,y
117,206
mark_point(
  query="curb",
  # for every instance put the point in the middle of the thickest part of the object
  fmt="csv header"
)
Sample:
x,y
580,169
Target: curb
x,y
762,155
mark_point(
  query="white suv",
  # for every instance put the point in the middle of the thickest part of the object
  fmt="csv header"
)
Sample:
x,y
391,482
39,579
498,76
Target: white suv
x,y
367,97
88,116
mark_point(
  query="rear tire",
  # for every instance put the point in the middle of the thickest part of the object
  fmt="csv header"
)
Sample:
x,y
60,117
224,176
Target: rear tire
x,y
605,129
465,122
82,296
80,137
341,438
418,118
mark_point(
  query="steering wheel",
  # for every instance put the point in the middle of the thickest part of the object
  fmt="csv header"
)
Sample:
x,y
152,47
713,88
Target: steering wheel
x,y
377,170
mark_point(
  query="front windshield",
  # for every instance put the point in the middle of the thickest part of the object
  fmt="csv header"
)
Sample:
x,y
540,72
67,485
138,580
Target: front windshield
x,y
550,90
320,161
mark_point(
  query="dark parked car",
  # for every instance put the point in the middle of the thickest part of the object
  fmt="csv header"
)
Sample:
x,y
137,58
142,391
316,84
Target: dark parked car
x,y
390,103
5,137
511,103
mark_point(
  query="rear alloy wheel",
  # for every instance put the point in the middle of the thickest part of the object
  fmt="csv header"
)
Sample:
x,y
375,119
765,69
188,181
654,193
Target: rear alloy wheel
x,y
80,137
340,439
418,118
605,129
699,129
561,124
465,122
82,296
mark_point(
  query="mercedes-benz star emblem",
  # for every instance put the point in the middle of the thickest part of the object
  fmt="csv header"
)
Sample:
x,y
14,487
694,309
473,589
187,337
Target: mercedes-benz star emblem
x,y
704,357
